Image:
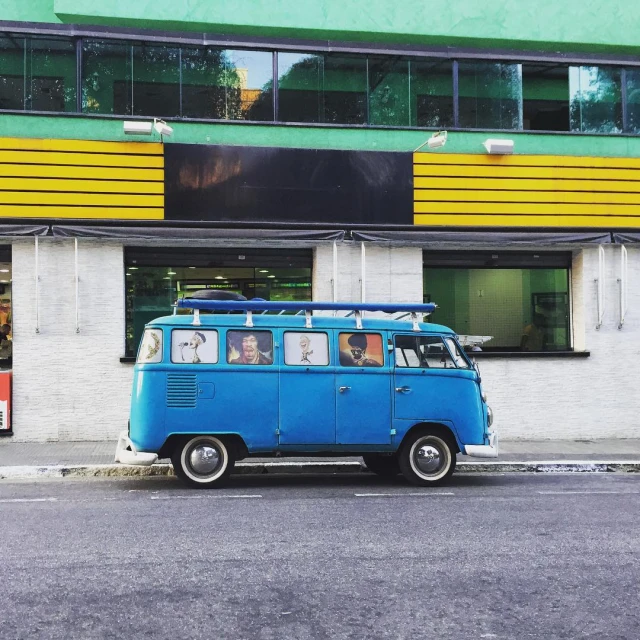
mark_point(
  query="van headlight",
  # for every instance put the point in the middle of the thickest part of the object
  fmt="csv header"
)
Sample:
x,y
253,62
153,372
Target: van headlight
x,y
489,416
483,395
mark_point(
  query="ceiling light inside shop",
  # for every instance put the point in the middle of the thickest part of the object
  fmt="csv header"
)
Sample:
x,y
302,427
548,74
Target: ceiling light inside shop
x,y
219,278
191,267
4,281
133,268
171,273
263,271
166,278
4,270
270,276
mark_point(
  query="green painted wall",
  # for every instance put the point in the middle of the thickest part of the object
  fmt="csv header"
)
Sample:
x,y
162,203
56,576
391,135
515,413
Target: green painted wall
x,y
97,128
543,24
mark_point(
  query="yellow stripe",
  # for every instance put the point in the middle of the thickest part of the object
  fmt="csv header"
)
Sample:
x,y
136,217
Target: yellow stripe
x,y
112,213
524,160
527,185
526,208
84,199
93,146
83,159
104,173
567,197
88,186
526,172
526,221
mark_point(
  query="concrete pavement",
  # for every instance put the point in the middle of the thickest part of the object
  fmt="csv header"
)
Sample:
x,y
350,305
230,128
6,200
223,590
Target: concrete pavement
x,y
56,459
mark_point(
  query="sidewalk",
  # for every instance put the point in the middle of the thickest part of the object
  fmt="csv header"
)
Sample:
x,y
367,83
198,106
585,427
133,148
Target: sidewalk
x,y
56,459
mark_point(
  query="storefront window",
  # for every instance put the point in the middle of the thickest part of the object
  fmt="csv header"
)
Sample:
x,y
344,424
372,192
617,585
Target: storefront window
x,y
155,279
431,93
223,84
490,95
6,321
595,99
521,308
37,74
389,91
633,100
322,88
106,77
545,97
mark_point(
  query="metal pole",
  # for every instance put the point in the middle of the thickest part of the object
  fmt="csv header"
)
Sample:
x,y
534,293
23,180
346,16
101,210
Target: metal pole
x,y
77,279
37,278
363,272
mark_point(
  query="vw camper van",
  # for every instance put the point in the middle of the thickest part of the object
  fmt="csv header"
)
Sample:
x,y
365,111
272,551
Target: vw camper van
x,y
235,379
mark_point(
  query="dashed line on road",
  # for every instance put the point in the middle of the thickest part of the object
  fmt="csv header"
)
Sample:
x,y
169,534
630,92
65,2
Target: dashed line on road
x,y
209,497
427,494
5,500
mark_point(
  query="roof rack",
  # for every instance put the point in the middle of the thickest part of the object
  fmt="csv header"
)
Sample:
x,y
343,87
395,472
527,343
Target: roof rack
x,y
249,306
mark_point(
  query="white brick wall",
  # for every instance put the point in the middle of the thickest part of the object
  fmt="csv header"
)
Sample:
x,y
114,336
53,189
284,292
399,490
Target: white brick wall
x,y
68,385
71,386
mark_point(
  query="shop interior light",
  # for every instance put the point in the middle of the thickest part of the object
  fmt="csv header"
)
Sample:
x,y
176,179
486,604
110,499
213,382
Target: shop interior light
x,y
499,147
171,273
4,270
219,278
270,276
191,267
133,268
263,271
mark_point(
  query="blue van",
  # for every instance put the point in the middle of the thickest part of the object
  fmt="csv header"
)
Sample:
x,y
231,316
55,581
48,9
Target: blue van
x,y
235,379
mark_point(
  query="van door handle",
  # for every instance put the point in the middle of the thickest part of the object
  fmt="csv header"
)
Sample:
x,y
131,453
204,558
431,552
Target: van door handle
x,y
403,389
343,389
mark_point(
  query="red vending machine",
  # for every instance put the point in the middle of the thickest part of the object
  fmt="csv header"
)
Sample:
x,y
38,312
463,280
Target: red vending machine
x,y
5,402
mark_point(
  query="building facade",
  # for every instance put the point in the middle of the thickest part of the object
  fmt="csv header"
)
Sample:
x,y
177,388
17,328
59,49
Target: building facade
x,y
297,169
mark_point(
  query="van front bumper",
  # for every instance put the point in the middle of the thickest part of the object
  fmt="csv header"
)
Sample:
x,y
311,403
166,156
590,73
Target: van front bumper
x,y
126,453
484,450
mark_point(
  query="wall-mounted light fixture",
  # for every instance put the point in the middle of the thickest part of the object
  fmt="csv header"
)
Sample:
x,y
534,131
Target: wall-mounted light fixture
x,y
500,147
142,128
437,140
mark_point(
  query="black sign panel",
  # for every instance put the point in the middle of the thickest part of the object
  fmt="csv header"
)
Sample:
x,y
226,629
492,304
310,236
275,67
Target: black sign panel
x,y
267,184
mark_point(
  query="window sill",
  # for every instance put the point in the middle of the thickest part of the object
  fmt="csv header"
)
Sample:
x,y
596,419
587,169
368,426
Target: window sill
x,y
529,354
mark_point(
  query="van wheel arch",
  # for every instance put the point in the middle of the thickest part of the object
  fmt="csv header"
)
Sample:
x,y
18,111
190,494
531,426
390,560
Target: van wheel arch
x,y
437,429
232,440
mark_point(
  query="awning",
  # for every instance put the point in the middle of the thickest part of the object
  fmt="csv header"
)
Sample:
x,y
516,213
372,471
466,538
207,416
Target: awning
x,y
483,237
196,233
13,230
626,237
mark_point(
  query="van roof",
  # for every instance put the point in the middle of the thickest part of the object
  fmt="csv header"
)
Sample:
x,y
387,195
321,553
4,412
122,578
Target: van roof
x,y
297,322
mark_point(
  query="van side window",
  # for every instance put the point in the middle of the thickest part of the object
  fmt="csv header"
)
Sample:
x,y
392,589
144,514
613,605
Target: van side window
x,y
361,350
305,349
249,347
422,352
150,347
194,347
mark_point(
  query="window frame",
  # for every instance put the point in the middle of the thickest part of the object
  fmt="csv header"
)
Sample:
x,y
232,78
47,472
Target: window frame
x,y
301,332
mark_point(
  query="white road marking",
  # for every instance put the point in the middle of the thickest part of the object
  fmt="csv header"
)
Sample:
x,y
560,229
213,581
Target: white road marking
x,y
427,494
568,493
210,497
29,500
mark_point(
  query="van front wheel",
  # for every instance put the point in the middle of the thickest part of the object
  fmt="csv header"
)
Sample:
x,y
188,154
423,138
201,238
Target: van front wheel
x,y
203,462
426,459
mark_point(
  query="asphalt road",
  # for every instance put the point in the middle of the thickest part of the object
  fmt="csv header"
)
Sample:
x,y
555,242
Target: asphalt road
x,y
489,556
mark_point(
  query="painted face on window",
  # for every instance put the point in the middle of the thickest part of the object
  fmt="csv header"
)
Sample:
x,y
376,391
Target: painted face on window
x,y
250,348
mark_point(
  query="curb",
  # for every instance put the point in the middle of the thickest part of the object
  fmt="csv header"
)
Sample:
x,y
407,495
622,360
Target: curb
x,y
333,467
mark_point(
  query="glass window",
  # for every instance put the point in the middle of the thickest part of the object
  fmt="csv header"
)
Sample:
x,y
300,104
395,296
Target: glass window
x,y
458,357
155,278
595,99
194,346
633,100
37,74
361,350
151,347
545,97
322,88
389,94
422,352
249,347
305,349
431,85
505,308
223,84
106,77
490,95
156,80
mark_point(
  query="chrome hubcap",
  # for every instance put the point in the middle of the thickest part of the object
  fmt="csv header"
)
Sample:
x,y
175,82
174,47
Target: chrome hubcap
x,y
204,459
428,458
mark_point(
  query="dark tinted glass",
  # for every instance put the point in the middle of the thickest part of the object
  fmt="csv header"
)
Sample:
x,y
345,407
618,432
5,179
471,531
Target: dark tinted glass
x,y
431,85
226,84
156,81
389,99
345,89
633,100
545,97
299,87
490,95
12,61
595,99
106,77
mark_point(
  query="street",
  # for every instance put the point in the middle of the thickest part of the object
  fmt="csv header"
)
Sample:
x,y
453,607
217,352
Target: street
x,y
487,556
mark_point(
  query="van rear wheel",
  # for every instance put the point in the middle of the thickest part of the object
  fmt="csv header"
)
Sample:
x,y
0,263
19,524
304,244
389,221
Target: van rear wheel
x,y
382,464
203,462
427,459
